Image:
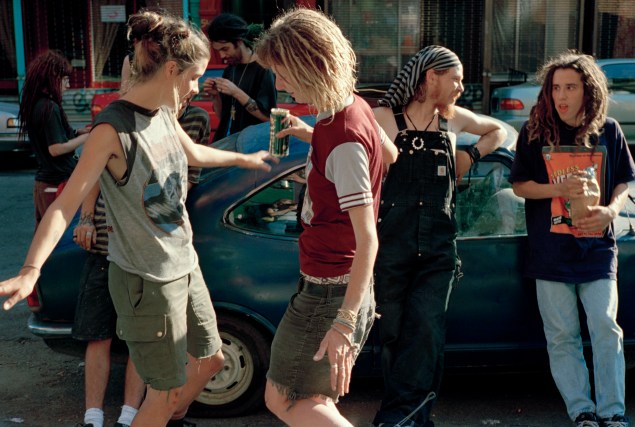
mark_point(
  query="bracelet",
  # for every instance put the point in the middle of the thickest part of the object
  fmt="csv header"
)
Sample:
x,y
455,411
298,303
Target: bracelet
x,y
346,323
473,152
347,315
251,105
346,336
32,267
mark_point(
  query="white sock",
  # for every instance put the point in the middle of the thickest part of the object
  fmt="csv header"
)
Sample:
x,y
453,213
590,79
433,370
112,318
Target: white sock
x,y
127,415
94,416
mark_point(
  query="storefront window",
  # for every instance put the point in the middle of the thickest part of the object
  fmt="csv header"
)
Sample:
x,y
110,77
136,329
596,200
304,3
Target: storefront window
x,y
384,33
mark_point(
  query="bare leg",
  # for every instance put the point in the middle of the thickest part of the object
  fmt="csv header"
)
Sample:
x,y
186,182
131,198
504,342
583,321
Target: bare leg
x,y
312,412
157,407
134,388
96,372
199,371
160,406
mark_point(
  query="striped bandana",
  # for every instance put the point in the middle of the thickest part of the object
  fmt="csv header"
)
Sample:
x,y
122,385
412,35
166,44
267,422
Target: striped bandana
x,y
405,84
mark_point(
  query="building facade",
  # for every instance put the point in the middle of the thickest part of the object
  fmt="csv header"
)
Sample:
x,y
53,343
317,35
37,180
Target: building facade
x,y
499,41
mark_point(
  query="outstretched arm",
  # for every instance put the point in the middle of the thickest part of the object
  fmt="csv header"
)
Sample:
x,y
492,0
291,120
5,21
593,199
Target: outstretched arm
x,y
101,145
206,156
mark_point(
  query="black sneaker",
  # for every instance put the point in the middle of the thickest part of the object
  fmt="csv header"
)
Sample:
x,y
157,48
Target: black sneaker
x,y
616,421
180,423
118,424
587,419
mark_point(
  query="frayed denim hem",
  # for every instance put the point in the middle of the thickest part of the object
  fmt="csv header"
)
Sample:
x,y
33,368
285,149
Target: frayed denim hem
x,y
293,396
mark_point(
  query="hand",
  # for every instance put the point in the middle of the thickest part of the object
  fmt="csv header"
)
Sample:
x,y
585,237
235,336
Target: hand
x,y
597,219
19,287
258,161
297,128
226,87
85,235
574,187
209,87
340,355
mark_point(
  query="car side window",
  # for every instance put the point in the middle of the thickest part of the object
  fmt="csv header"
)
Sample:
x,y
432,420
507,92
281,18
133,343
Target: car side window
x,y
275,209
486,203
621,78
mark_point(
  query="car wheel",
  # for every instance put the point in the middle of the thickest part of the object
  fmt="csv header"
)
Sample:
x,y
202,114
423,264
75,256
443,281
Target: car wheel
x,y
239,387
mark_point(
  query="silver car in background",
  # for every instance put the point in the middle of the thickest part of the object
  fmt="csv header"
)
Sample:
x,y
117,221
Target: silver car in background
x,y
512,104
9,130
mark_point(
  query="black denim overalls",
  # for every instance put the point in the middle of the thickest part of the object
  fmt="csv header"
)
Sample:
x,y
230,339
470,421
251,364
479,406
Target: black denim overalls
x,y
415,268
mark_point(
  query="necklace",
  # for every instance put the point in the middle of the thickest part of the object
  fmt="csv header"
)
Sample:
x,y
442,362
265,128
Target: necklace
x,y
417,142
232,111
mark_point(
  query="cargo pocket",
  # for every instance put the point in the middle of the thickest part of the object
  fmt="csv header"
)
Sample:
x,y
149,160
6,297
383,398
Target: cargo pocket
x,y
151,351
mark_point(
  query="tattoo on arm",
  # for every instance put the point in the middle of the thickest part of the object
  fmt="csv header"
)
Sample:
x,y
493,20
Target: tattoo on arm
x,y
86,219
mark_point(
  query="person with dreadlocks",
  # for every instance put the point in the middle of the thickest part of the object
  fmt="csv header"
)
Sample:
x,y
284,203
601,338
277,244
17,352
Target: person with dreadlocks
x,y
246,92
566,151
42,117
417,262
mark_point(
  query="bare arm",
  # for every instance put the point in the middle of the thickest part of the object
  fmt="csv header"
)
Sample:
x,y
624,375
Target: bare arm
x,y
101,145
601,216
84,233
336,342
386,122
492,136
67,147
206,156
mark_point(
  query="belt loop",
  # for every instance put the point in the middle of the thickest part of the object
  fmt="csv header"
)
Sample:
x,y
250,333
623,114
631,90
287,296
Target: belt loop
x,y
300,284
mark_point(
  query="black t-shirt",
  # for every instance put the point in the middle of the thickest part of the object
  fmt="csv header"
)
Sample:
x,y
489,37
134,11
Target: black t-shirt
x,y
46,129
255,81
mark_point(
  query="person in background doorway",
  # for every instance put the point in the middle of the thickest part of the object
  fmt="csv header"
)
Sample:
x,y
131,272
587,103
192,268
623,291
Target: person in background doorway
x,y
246,92
417,263
42,117
573,252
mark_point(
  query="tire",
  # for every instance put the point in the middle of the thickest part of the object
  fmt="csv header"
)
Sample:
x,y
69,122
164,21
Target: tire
x,y
239,387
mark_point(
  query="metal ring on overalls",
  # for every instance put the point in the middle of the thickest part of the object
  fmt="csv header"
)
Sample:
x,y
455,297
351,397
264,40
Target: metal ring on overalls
x,y
415,146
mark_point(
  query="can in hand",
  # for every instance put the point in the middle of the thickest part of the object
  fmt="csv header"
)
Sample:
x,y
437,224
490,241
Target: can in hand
x,y
278,147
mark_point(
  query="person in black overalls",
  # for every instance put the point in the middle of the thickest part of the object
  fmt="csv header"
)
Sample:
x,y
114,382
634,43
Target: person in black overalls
x,y
417,262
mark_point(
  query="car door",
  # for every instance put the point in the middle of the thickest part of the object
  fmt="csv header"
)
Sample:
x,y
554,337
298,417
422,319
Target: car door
x,y
493,316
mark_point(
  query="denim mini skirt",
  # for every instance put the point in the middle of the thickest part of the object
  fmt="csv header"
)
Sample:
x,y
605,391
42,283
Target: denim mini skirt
x,y
308,317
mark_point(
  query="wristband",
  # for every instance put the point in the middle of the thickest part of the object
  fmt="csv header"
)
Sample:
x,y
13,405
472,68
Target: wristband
x,y
473,152
251,105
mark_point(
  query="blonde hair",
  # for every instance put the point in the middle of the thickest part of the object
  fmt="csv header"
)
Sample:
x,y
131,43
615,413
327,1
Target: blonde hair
x,y
543,117
317,56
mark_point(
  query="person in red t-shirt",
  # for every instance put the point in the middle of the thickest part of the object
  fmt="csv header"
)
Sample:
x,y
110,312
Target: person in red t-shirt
x,y
334,308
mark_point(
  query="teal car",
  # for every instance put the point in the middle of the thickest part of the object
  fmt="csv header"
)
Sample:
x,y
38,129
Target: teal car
x,y
246,230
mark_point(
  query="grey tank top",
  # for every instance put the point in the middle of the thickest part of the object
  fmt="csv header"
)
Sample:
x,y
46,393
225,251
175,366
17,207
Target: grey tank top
x,y
148,227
